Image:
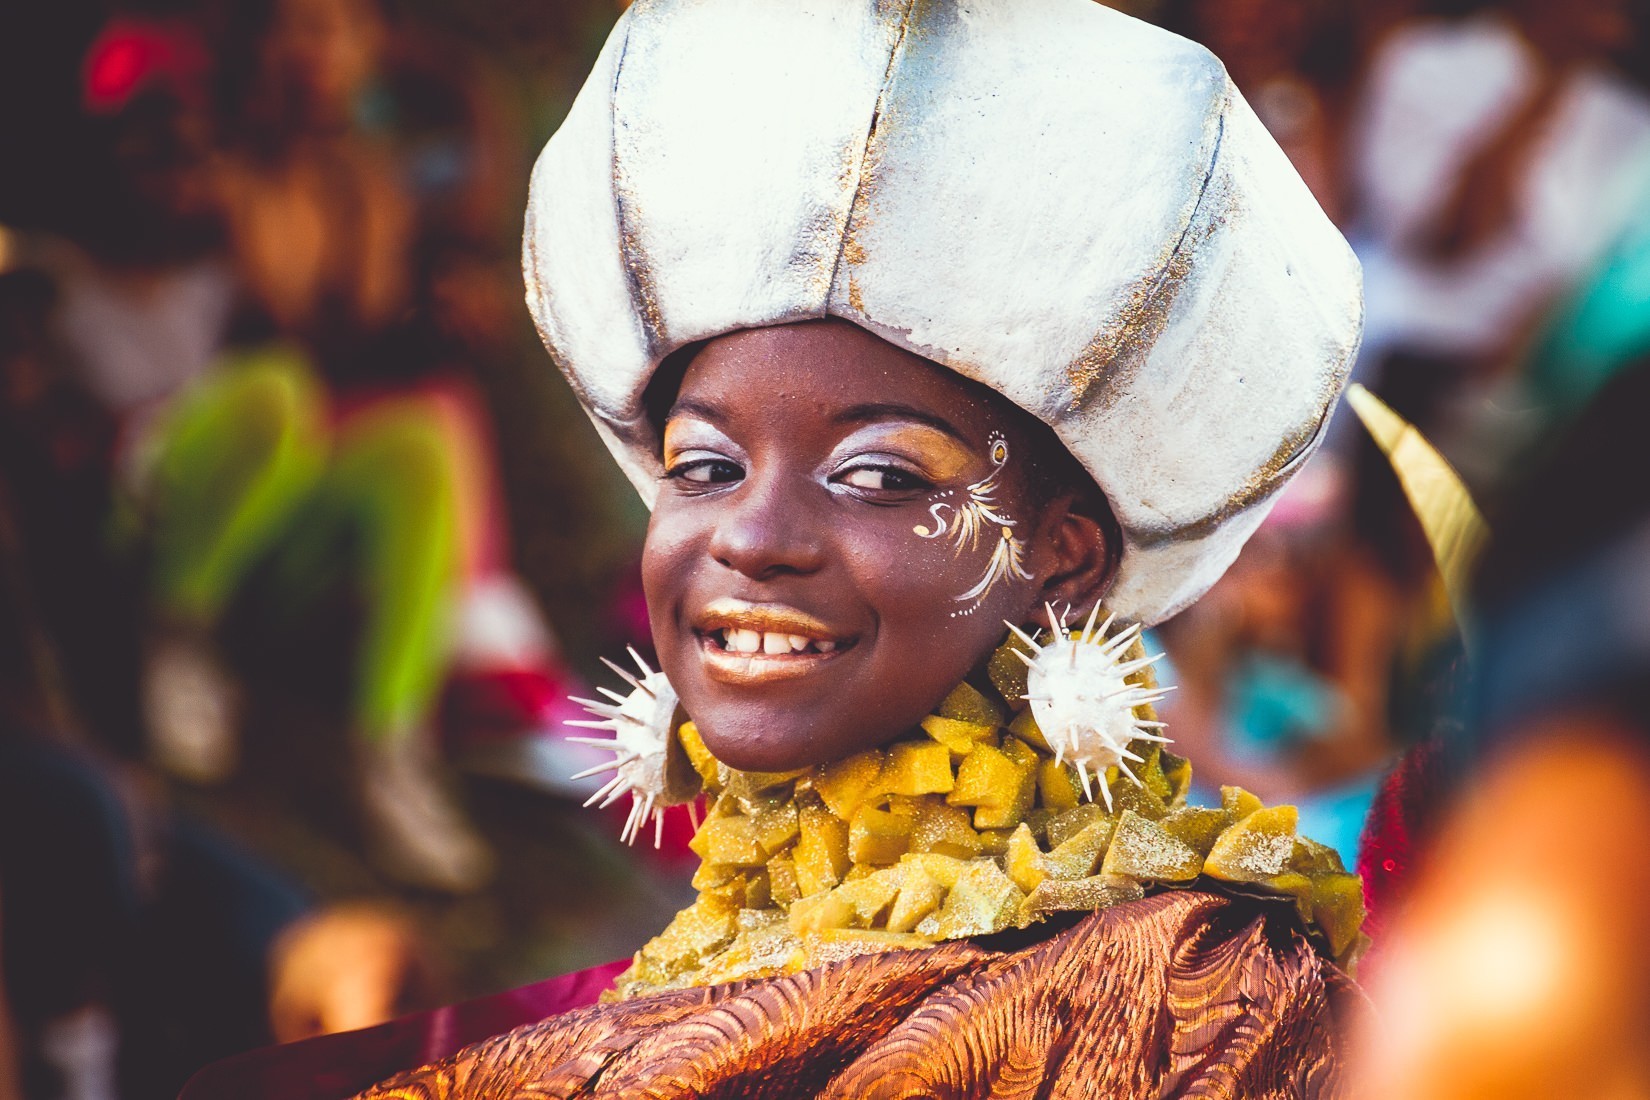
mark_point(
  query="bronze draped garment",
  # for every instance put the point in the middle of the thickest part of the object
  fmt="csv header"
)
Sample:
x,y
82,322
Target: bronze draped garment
x,y
1180,994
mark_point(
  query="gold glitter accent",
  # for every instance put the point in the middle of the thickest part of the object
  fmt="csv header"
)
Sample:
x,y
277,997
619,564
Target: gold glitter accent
x,y
627,208
1117,350
829,237
856,300
643,290
853,252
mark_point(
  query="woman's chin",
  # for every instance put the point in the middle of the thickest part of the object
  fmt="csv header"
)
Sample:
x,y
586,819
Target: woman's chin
x,y
757,742
765,750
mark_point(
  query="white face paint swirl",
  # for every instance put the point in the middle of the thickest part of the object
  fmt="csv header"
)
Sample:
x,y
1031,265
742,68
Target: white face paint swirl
x,y
970,521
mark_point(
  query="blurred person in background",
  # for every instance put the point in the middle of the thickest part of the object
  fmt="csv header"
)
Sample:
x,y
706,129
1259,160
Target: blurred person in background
x,y
117,296
1594,335
320,223
1298,672
1495,155
107,372
355,196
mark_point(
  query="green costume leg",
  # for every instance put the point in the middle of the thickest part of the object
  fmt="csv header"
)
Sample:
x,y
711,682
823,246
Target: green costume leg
x,y
394,477
236,456
395,485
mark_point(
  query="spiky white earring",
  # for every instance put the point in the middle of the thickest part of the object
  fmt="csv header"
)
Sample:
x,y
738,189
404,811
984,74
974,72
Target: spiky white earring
x,y
1083,700
641,724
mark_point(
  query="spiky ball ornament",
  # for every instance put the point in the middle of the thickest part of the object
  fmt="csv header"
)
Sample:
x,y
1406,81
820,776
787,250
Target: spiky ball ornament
x,y
1084,699
643,730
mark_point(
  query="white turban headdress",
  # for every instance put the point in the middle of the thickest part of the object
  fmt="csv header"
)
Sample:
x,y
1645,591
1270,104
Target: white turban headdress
x,y
1060,202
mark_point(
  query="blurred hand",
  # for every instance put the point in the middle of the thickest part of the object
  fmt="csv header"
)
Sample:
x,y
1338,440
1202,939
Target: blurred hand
x,y
342,968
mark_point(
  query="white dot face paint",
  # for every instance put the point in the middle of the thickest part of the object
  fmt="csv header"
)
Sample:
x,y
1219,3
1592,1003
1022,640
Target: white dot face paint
x,y
975,519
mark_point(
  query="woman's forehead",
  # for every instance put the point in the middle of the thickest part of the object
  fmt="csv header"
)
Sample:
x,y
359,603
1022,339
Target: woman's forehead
x,y
833,371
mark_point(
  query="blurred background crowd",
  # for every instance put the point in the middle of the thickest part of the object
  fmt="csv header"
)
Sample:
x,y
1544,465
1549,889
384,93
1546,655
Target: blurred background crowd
x,y
304,544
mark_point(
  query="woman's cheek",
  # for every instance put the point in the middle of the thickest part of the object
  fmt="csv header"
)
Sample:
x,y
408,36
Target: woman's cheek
x,y
890,549
914,584
670,549
671,558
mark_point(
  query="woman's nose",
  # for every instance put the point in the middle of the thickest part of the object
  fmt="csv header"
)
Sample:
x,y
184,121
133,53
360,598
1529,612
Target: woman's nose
x,y
768,530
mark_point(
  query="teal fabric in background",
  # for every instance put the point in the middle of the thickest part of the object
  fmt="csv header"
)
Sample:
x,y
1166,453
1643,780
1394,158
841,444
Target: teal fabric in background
x,y
1600,330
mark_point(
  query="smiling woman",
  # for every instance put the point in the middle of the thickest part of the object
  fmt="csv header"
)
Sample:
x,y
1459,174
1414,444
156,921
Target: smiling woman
x,y
921,327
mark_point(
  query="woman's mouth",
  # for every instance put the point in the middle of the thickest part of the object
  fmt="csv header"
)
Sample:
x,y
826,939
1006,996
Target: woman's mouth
x,y
745,643
749,642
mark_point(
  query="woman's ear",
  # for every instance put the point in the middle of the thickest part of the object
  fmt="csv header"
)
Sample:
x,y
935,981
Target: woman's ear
x,y
1084,550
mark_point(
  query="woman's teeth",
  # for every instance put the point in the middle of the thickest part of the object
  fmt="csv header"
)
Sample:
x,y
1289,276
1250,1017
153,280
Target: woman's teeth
x,y
738,640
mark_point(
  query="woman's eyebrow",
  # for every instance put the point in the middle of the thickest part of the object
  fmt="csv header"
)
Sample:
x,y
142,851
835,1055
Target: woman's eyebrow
x,y
884,410
711,414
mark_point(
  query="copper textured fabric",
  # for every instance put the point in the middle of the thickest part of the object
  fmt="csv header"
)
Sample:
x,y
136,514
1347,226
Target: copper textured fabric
x,y
1179,995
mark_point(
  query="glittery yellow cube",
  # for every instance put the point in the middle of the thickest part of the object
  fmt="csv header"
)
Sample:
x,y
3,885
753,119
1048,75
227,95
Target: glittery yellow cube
x,y
983,901
1338,908
968,704
872,897
776,827
956,734
849,784
1057,786
729,840
687,734
1000,783
942,869
1141,849
937,827
919,895
1062,827
916,768
1024,863
878,836
1256,848
1077,856
821,852
782,882
989,777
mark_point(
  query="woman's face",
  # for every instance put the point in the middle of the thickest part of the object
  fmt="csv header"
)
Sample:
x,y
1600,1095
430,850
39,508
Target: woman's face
x,y
842,531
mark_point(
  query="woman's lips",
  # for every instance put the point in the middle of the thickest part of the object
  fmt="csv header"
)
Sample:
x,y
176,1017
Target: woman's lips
x,y
747,643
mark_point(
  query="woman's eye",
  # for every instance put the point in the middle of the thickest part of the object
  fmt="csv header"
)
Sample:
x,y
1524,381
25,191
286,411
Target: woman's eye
x,y
705,471
883,479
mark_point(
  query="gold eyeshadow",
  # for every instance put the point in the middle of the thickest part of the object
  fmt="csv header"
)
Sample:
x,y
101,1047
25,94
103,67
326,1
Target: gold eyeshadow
x,y
941,457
